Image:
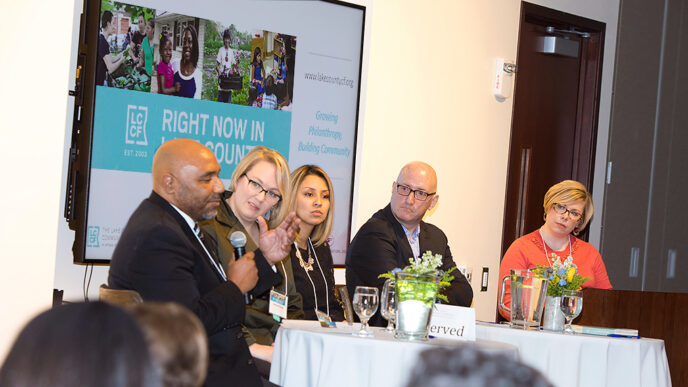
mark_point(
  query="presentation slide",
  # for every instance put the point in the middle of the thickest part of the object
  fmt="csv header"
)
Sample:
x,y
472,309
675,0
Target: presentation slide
x,y
232,75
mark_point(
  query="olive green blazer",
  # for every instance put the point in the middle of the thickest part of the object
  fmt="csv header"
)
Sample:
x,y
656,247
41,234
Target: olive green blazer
x,y
259,325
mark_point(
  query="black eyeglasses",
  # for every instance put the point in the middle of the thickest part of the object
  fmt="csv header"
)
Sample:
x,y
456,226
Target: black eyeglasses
x,y
561,210
421,195
256,189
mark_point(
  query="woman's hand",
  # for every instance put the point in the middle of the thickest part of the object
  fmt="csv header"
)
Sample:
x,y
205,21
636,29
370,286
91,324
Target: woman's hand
x,y
262,352
276,244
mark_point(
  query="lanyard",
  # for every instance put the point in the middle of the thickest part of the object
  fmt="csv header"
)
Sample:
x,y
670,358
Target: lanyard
x,y
286,278
212,261
315,293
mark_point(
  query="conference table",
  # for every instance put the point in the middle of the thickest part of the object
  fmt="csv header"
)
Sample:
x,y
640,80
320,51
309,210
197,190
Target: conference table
x,y
307,354
586,360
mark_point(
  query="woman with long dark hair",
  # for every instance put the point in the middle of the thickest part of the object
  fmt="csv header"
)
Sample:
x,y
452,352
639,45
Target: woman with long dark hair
x,y
312,198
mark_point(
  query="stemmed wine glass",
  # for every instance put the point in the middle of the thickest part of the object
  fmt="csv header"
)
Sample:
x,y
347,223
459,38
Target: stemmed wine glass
x,y
388,305
571,305
365,305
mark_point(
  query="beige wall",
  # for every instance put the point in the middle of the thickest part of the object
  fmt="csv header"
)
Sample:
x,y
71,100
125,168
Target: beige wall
x,y
33,108
427,97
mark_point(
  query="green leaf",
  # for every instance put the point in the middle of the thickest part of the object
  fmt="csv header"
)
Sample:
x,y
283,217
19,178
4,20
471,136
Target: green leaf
x,y
386,275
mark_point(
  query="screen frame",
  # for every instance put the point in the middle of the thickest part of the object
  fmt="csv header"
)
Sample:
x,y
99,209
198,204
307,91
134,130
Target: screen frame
x,y
80,152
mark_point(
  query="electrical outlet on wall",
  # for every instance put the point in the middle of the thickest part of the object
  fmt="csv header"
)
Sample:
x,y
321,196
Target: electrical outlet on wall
x,y
483,281
467,272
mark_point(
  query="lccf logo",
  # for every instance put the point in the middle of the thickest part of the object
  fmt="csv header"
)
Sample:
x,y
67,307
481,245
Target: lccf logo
x,y
93,236
137,116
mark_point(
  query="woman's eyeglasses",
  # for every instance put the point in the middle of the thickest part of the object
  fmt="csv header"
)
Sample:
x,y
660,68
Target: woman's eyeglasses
x,y
561,210
256,188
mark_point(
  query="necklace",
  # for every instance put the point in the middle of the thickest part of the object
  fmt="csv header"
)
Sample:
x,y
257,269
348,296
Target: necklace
x,y
544,246
310,263
308,266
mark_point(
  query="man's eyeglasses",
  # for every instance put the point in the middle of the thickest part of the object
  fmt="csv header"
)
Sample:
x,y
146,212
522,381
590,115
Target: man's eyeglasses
x,y
256,189
561,210
404,190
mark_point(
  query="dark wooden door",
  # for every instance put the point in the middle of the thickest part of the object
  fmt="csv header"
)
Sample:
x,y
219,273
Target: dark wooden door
x,y
554,125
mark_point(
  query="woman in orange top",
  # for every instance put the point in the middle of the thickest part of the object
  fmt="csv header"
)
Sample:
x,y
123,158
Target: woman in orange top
x,y
568,209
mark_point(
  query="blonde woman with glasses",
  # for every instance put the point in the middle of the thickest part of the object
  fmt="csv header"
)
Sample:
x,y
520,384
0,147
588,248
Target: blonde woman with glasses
x,y
568,209
259,188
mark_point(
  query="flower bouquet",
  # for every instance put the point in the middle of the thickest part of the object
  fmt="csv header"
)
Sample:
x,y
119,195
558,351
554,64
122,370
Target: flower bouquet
x,y
561,276
417,286
426,265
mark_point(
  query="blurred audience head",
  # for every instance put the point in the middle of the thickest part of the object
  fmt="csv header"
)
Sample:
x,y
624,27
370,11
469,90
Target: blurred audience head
x,y
176,340
84,344
470,367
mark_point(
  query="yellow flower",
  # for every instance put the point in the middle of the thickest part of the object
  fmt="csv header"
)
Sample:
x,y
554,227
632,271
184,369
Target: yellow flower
x,y
570,274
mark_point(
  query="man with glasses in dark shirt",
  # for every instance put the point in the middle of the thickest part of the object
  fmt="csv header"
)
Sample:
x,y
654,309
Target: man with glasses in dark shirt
x,y
397,232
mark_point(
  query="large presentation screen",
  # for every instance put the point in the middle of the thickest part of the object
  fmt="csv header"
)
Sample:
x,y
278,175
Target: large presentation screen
x,y
232,75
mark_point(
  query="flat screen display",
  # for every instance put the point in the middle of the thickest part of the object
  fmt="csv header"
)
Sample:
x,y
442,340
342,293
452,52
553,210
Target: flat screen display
x,y
232,75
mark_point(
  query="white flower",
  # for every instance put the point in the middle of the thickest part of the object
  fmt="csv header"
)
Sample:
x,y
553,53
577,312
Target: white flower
x,y
426,263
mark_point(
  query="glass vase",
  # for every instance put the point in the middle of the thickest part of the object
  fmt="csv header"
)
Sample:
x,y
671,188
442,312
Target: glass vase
x,y
416,295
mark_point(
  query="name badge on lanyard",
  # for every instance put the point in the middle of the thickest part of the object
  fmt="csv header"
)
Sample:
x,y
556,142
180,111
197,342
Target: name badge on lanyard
x,y
278,305
324,319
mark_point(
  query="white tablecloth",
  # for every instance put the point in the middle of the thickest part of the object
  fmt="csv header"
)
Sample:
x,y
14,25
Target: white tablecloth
x,y
586,360
306,354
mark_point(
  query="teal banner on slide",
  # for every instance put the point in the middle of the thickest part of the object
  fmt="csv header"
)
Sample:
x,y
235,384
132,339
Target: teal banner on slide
x,y
136,124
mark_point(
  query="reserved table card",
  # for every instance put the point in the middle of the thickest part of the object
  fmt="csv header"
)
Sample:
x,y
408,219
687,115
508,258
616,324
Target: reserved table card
x,y
452,322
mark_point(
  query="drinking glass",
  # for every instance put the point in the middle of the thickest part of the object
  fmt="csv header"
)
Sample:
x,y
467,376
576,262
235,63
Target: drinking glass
x,y
388,304
365,305
571,305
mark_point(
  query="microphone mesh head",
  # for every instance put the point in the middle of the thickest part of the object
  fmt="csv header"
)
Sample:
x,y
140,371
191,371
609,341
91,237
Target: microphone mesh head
x,y
237,239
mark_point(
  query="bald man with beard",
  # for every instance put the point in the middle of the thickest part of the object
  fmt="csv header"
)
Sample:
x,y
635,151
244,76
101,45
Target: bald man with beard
x,y
397,232
161,256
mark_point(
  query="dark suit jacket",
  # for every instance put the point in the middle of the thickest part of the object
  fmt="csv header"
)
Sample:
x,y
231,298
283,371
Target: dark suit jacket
x,y
159,256
380,245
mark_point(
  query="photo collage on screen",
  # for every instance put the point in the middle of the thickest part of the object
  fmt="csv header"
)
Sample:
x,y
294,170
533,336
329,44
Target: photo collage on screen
x,y
158,51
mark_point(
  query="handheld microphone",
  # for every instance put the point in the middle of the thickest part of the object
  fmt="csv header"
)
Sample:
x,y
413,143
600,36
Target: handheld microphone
x,y
238,242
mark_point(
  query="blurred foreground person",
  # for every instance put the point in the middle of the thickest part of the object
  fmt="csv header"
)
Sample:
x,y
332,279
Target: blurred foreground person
x,y
467,366
176,341
84,344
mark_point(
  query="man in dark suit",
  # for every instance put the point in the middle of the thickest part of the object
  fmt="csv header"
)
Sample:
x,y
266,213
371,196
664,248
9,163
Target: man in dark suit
x,y
397,232
162,256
